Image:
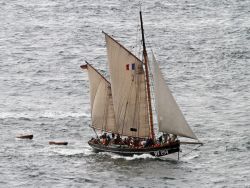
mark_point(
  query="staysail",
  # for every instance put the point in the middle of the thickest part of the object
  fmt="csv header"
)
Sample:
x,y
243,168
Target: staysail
x,y
170,117
128,90
102,109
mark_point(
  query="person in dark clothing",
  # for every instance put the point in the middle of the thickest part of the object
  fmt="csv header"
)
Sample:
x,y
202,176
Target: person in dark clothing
x,y
136,142
149,142
108,140
105,135
118,139
160,139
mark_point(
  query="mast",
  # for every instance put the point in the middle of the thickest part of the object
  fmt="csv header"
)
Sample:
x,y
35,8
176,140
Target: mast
x,y
145,55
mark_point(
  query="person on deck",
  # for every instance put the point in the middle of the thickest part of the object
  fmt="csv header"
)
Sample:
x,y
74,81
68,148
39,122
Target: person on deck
x,y
108,139
104,139
118,139
112,141
113,135
143,143
160,139
136,142
165,136
173,138
149,142
129,141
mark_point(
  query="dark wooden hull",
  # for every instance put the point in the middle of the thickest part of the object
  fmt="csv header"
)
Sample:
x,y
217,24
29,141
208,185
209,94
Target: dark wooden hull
x,y
127,151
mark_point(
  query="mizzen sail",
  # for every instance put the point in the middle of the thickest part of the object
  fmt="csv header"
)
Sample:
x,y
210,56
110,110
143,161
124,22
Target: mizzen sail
x,y
102,110
128,90
170,117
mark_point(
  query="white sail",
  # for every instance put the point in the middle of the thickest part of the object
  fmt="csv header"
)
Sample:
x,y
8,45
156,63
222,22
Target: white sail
x,y
102,110
128,90
170,117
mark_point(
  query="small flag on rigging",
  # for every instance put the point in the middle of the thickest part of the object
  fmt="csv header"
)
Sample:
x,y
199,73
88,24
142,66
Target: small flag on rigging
x,y
130,66
84,66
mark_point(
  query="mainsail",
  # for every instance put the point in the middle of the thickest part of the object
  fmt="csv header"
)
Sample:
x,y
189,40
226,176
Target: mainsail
x,y
128,90
102,110
170,117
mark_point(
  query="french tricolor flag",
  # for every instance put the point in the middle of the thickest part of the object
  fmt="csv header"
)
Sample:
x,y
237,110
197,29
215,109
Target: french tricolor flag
x,y
130,66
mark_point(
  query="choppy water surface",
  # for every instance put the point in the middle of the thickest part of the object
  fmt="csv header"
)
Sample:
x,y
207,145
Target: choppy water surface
x,y
203,48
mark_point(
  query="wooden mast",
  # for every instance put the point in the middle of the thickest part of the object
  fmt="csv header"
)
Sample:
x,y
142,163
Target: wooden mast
x,y
145,55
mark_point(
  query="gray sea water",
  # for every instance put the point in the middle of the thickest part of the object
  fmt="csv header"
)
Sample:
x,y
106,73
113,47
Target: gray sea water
x,y
203,48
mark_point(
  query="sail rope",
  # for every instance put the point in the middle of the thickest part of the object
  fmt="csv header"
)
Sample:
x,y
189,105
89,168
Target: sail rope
x,y
191,151
127,100
106,109
137,46
152,86
137,103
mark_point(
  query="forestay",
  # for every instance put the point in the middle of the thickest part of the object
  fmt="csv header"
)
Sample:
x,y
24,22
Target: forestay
x,y
170,117
128,90
102,110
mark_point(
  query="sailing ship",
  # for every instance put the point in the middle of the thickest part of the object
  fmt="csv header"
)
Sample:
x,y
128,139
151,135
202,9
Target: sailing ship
x,y
123,106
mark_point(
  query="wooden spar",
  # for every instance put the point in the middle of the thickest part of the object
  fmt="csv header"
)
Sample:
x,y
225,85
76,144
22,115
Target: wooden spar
x,y
145,55
86,67
200,143
95,132
57,143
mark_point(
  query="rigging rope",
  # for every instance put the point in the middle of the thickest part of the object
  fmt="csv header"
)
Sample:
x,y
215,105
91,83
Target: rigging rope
x,y
191,151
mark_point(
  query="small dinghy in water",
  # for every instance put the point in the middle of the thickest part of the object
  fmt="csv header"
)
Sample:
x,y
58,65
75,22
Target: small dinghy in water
x,y
122,106
25,136
57,143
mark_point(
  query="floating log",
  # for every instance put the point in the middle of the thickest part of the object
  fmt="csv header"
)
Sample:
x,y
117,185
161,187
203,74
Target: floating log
x,y
57,143
27,136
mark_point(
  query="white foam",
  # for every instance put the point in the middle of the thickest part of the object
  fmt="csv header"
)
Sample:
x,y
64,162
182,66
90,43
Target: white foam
x,y
129,158
45,114
189,157
63,151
